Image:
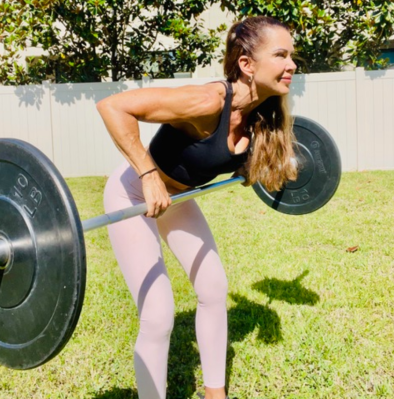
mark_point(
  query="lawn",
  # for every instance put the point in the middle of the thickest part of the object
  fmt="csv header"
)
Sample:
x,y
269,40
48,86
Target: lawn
x,y
307,318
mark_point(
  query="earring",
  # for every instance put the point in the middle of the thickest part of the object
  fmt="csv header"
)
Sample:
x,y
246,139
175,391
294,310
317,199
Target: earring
x,y
250,80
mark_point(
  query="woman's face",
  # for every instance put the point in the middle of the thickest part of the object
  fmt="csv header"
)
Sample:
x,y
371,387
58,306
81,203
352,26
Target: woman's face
x,y
272,65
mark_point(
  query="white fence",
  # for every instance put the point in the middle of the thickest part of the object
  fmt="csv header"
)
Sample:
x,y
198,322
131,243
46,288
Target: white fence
x,y
357,108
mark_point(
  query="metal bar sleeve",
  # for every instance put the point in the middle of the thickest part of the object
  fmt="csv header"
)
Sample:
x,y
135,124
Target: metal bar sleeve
x,y
5,253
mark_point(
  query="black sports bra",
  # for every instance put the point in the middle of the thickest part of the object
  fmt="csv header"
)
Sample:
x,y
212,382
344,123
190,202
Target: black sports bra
x,y
196,162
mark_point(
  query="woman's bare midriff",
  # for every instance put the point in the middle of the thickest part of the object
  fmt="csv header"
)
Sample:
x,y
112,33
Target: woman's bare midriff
x,y
173,186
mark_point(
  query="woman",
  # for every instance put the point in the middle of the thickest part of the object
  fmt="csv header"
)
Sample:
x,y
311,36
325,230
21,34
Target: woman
x,y
241,125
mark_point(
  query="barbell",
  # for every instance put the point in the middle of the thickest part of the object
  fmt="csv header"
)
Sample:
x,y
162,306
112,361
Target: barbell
x,y
42,249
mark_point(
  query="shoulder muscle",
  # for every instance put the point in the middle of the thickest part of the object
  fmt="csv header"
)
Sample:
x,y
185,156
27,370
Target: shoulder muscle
x,y
165,105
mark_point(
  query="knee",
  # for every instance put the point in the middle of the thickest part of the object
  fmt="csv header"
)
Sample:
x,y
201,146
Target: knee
x,y
158,325
213,290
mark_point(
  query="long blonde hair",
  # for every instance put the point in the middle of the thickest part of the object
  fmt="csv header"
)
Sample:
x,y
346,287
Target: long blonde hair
x,y
270,124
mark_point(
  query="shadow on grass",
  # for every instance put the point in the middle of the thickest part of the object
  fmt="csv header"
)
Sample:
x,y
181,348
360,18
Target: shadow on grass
x,y
291,292
243,318
184,358
117,393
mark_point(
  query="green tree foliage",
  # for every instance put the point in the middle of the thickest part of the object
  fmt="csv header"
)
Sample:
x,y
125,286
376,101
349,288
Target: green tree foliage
x,y
329,33
88,40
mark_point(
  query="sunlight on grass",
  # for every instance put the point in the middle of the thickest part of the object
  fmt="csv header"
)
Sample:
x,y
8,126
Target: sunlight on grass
x,y
307,319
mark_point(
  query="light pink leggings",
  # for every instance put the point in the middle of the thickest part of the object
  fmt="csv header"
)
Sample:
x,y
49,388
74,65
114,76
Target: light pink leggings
x,y
136,243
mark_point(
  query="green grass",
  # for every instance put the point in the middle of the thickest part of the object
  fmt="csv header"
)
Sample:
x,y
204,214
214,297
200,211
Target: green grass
x,y
306,318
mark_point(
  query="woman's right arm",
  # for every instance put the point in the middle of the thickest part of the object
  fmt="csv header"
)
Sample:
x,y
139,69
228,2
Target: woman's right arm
x,y
124,130
121,114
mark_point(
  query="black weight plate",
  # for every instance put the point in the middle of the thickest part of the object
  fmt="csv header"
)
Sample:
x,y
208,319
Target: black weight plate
x,y
43,284
319,172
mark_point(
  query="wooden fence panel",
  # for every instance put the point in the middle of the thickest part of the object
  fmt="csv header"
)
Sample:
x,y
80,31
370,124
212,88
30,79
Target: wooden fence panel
x,y
355,107
82,146
376,120
25,113
330,100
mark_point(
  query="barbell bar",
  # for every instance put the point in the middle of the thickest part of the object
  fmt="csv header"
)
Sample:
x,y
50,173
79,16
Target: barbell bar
x,y
127,213
42,249
140,209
